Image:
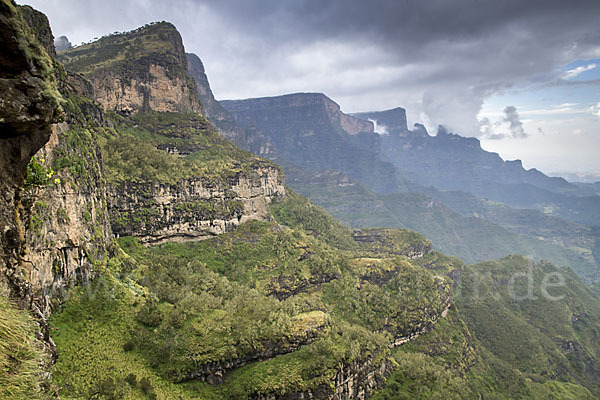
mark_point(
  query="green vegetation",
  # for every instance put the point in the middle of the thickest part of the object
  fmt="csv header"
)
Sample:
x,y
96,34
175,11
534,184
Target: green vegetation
x,y
538,319
419,377
292,308
39,175
262,255
20,354
135,155
469,238
287,305
36,54
507,347
280,307
298,212
119,51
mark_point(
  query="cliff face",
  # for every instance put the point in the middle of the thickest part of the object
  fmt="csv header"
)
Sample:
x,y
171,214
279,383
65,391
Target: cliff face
x,y
194,208
30,104
323,113
137,71
145,72
391,122
354,381
30,100
248,138
68,230
308,130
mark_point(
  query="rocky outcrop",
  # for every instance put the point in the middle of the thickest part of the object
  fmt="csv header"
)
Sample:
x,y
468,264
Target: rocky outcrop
x,y
401,242
356,380
30,100
142,70
193,209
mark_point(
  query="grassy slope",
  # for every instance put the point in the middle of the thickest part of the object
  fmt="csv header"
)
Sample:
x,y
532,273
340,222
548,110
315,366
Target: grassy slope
x,y
20,354
183,312
131,152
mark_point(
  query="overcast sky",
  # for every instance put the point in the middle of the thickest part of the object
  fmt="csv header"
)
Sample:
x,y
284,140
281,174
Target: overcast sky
x,y
522,75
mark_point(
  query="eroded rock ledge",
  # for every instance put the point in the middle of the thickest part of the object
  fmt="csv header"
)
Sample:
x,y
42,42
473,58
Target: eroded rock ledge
x,y
192,209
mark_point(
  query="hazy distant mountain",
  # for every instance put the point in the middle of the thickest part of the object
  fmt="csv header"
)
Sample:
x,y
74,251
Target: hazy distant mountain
x,y
313,139
578,177
309,130
449,161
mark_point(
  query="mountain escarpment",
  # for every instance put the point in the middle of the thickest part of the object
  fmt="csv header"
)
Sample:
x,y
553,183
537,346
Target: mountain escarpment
x,y
309,130
137,71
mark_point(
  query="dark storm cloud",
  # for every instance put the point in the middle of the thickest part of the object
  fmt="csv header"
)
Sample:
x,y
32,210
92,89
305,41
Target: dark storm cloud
x,y
440,59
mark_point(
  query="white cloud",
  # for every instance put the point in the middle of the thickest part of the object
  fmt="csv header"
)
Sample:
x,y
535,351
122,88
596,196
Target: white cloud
x,y
572,73
553,111
379,128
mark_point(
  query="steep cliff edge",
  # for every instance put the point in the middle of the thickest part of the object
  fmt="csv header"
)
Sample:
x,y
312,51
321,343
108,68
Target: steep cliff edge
x,y
211,108
184,183
142,70
69,238
390,122
170,175
309,130
30,104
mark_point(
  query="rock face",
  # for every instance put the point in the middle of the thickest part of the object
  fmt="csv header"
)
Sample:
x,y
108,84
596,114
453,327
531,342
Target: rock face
x,y
308,130
192,209
354,381
30,104
142,70
30,100
69,234
391,122
212,109
324,113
